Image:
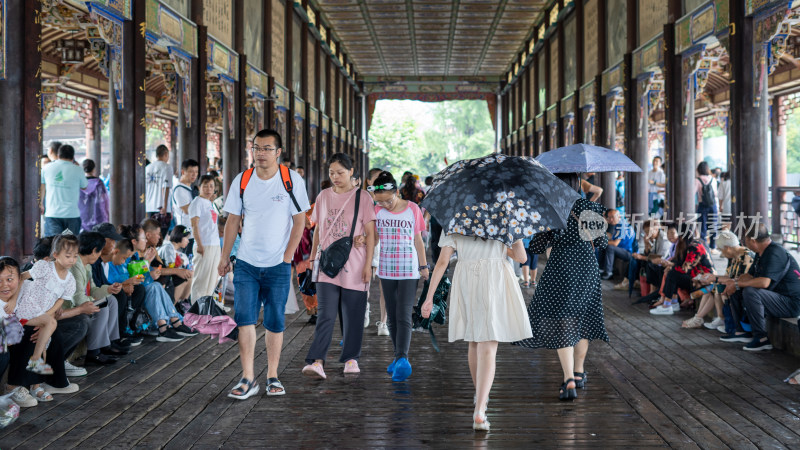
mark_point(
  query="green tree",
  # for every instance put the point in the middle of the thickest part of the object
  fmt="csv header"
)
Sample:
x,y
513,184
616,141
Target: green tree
x,y
455,130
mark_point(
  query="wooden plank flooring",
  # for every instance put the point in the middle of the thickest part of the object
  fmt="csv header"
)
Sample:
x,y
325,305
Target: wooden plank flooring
x,y
654,385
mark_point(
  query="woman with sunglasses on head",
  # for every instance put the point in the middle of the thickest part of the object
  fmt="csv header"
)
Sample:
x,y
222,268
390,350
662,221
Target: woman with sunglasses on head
x,y
336,217
401,265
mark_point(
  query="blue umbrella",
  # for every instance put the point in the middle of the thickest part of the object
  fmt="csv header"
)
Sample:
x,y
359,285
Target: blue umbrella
x,y
582,158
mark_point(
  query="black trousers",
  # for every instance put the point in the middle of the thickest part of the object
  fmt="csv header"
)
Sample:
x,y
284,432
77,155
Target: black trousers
x,y
674,281
436,233
757,304
654,274
20,354
129,303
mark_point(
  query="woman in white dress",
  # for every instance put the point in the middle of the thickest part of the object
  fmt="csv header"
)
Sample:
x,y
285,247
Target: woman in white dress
x,y
486,306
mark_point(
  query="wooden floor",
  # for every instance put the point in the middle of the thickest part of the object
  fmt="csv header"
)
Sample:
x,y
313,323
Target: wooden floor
x,y
654,385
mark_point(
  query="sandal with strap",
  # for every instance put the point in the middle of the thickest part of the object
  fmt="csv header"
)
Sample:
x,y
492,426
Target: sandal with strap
x,y
246,389
480,422
581,384
566,392
42,395
275,387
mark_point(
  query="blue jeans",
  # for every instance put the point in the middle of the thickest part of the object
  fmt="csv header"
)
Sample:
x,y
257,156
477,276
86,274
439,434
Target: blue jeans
x,y
709,218
257,286
158,304
57,225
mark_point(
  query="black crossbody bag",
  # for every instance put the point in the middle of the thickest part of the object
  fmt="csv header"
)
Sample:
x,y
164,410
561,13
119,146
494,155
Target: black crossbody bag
x,y
333,258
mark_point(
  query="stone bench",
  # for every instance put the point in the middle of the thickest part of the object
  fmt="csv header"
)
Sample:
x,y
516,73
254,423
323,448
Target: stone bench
x,y
784,335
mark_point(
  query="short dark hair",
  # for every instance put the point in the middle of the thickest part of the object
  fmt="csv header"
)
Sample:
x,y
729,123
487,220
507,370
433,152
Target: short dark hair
x,y
124,245
150,225
7,262
758,233
428,180
178,233
658,158
88,165
64,242
341,158
267,132
300,167
572,180
189,163
385,178
55,145
702,168
66,152
162,151
206,178
43,248
90,242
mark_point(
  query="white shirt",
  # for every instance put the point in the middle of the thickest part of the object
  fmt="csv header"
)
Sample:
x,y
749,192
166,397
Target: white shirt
x,y
158,177
268,212
181,196
657,177
207,227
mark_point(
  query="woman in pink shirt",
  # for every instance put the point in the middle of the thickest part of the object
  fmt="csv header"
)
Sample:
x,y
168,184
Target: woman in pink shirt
x,y
401,265
334,211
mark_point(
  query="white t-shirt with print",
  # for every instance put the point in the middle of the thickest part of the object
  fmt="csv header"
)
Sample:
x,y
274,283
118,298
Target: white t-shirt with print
x,y
181,196
158,177
207,215
268,212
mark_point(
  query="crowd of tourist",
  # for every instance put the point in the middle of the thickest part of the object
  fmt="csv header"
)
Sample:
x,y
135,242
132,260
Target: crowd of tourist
x,y
111,286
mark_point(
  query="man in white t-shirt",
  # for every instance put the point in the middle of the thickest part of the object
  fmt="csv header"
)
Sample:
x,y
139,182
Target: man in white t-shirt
x,y
272,220
657,181
182,196
158,178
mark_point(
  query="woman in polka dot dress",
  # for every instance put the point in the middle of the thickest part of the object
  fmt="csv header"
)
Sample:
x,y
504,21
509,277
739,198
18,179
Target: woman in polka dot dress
x,y
567,308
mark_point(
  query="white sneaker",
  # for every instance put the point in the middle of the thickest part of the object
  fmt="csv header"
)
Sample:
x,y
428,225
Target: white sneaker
x,y
23,398
722,329
715,324
676,306
366,317
73,371
662,311
622,285
383,330
70,389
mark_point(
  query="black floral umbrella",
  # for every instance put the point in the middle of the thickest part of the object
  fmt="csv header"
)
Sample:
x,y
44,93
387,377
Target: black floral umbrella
x,y
500,197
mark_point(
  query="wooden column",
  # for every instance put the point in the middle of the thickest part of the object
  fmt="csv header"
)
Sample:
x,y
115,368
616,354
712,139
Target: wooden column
x,y
637,133
778,135
680,138
20,142
232,163
127,189
748,123
609,197
180,150
94,146
288,54
196,139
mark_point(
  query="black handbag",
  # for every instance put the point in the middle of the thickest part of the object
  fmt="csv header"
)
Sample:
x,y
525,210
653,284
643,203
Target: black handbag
x,y
333,258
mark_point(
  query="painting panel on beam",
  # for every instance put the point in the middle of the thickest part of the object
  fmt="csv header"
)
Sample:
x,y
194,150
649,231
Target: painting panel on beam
x,y
555,70
218,17
570,55
652,17
542,91
616,30
311,69
278,41
590,41
253,24
297,55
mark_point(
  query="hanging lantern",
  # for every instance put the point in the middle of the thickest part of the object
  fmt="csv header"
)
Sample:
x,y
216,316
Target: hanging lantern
x,y
72,51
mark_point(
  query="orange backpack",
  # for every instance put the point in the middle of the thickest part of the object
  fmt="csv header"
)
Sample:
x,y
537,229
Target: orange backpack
x,y
286,179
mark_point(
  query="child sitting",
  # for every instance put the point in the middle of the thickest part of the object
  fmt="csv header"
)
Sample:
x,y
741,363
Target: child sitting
x,y
171,254
52,284
156,301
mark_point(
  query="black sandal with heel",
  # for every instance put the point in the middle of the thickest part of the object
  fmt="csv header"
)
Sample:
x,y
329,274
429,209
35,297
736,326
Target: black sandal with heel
x,y
580,384
567,393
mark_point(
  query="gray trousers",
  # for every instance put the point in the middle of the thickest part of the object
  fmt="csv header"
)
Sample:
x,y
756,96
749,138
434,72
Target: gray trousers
x,y
759,303
354,306
400,297
104,326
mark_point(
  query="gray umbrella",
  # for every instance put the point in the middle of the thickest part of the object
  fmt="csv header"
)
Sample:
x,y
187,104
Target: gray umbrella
x,y
500,197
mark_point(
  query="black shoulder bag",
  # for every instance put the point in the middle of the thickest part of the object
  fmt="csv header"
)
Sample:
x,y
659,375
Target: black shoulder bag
x,y
333,258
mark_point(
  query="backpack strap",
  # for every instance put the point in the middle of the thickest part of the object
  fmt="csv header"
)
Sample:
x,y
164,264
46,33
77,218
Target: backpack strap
x,y
286,178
